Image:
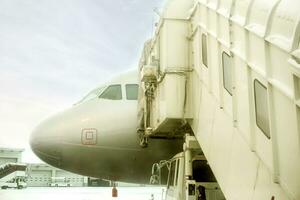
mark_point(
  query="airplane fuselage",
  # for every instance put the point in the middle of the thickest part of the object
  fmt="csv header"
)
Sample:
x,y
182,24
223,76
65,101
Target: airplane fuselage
x,y
98,138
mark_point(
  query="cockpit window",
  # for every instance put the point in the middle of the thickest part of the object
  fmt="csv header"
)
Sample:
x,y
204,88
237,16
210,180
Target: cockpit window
x,y
113,92
91,95
132,91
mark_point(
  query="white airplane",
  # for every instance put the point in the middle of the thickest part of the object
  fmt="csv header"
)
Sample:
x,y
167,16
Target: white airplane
x,y
97,136
231,70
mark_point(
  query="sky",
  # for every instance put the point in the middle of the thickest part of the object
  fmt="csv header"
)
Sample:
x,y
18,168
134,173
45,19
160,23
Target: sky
x,y
52,52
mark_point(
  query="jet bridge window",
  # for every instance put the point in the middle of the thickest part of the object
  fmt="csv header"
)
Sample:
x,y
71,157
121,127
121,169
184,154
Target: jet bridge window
x,y
113,92
227,72
132,91
261,107
204,49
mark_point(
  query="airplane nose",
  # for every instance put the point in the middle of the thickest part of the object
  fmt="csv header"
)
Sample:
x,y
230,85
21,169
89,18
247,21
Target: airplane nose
x,y
45,145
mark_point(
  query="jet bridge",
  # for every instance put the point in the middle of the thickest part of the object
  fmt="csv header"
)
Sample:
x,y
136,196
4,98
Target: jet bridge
x,y
165,71
228,72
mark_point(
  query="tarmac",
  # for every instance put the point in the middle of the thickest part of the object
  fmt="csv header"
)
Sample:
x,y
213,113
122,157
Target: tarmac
x,y
82,193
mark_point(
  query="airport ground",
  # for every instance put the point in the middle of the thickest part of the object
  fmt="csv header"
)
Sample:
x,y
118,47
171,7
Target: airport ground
x,y
82,193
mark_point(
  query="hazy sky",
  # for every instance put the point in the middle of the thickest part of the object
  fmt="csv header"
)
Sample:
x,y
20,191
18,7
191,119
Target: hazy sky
x,y
52,52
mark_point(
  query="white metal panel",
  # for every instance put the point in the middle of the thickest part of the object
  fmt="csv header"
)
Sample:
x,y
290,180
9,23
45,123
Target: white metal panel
x,y
239,41
175,48
296,53
225,7
205,121
221,147
214,65
242,171
259,16
212,22
256,54
175,92
289,154
204,2
203,15
240,11
194,18
163,47
177,9
195,101
196,49
298,124
243,104
284,23
297,87
265,188
278,70
223,31
213,4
